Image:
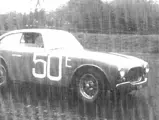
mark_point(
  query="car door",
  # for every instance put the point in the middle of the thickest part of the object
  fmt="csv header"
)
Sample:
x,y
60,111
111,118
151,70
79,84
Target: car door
x,y
34,57
47,65
37,63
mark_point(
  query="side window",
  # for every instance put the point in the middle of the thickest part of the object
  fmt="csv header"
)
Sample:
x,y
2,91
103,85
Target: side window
x,y
32,39
12,39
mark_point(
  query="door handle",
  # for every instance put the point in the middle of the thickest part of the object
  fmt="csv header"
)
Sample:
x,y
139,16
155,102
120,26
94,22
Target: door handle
x,y
16,55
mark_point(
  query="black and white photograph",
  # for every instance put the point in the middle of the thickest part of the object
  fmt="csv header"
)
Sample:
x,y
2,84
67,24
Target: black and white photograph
x,y
79,59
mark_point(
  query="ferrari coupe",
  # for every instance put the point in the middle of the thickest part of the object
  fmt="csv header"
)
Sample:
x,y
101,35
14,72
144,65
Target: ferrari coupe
x,y
56,58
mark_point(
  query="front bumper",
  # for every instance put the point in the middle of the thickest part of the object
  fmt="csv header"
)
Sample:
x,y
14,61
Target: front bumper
x,y
130,86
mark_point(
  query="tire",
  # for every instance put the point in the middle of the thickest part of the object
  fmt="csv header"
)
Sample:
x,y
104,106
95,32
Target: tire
x,y
3,75
89,85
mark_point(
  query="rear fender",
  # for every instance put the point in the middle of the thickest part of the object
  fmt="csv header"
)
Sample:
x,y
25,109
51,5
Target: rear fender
x,y
3,61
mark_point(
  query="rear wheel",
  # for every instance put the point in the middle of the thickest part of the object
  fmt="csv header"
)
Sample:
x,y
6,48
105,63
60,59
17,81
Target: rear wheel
x,y
3,75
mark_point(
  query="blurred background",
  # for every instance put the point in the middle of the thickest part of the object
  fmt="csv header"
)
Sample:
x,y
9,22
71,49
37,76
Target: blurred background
x,y
89,16
125,26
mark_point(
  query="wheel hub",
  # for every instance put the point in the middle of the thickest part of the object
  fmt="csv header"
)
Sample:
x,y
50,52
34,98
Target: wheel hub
x,y
88,86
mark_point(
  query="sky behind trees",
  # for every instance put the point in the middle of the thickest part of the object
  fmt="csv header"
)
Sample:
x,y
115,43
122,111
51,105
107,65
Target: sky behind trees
x,y
25,6
93,16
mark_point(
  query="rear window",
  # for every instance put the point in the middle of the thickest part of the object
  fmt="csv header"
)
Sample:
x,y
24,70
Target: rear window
x,y
12,39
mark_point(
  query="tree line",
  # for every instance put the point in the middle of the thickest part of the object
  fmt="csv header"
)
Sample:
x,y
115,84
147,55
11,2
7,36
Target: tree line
x,y
91,16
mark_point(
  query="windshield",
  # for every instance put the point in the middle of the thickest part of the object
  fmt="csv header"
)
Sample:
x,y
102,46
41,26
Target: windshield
x,y
61,39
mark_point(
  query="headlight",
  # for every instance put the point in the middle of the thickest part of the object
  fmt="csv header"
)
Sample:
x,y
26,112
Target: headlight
x,y
147,70
122,73
146,66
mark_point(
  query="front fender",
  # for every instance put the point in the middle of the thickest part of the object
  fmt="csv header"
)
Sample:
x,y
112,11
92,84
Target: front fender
x,y
96,69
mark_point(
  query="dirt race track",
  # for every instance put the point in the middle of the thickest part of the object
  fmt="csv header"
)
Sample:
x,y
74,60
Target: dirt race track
x,y
28,102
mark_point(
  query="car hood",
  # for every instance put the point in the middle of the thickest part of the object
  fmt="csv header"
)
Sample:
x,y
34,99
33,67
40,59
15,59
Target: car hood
x,y
119,60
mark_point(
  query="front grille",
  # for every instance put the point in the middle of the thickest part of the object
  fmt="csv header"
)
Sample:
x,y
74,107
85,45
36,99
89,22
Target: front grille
x,y
135,74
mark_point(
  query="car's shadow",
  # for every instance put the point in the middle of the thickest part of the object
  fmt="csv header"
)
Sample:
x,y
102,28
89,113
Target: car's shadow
x,y
63,103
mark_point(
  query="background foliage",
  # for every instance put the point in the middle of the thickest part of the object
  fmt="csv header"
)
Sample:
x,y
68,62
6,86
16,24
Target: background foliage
x,y
93,16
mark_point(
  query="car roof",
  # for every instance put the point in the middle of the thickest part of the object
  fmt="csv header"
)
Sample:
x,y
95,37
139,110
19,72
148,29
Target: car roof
x,y
42,31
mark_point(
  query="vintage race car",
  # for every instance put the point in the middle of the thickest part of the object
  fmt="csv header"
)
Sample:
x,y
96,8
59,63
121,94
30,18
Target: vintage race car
x,y
56,58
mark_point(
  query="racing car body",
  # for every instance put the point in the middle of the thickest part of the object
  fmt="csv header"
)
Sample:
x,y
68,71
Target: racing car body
x,y
55,57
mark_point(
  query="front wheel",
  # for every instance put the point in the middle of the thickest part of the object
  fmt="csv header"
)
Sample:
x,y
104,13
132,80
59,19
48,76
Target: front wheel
x,y
89,85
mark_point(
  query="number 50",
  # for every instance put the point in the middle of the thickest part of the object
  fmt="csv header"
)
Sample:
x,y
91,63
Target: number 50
x,y
46,68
